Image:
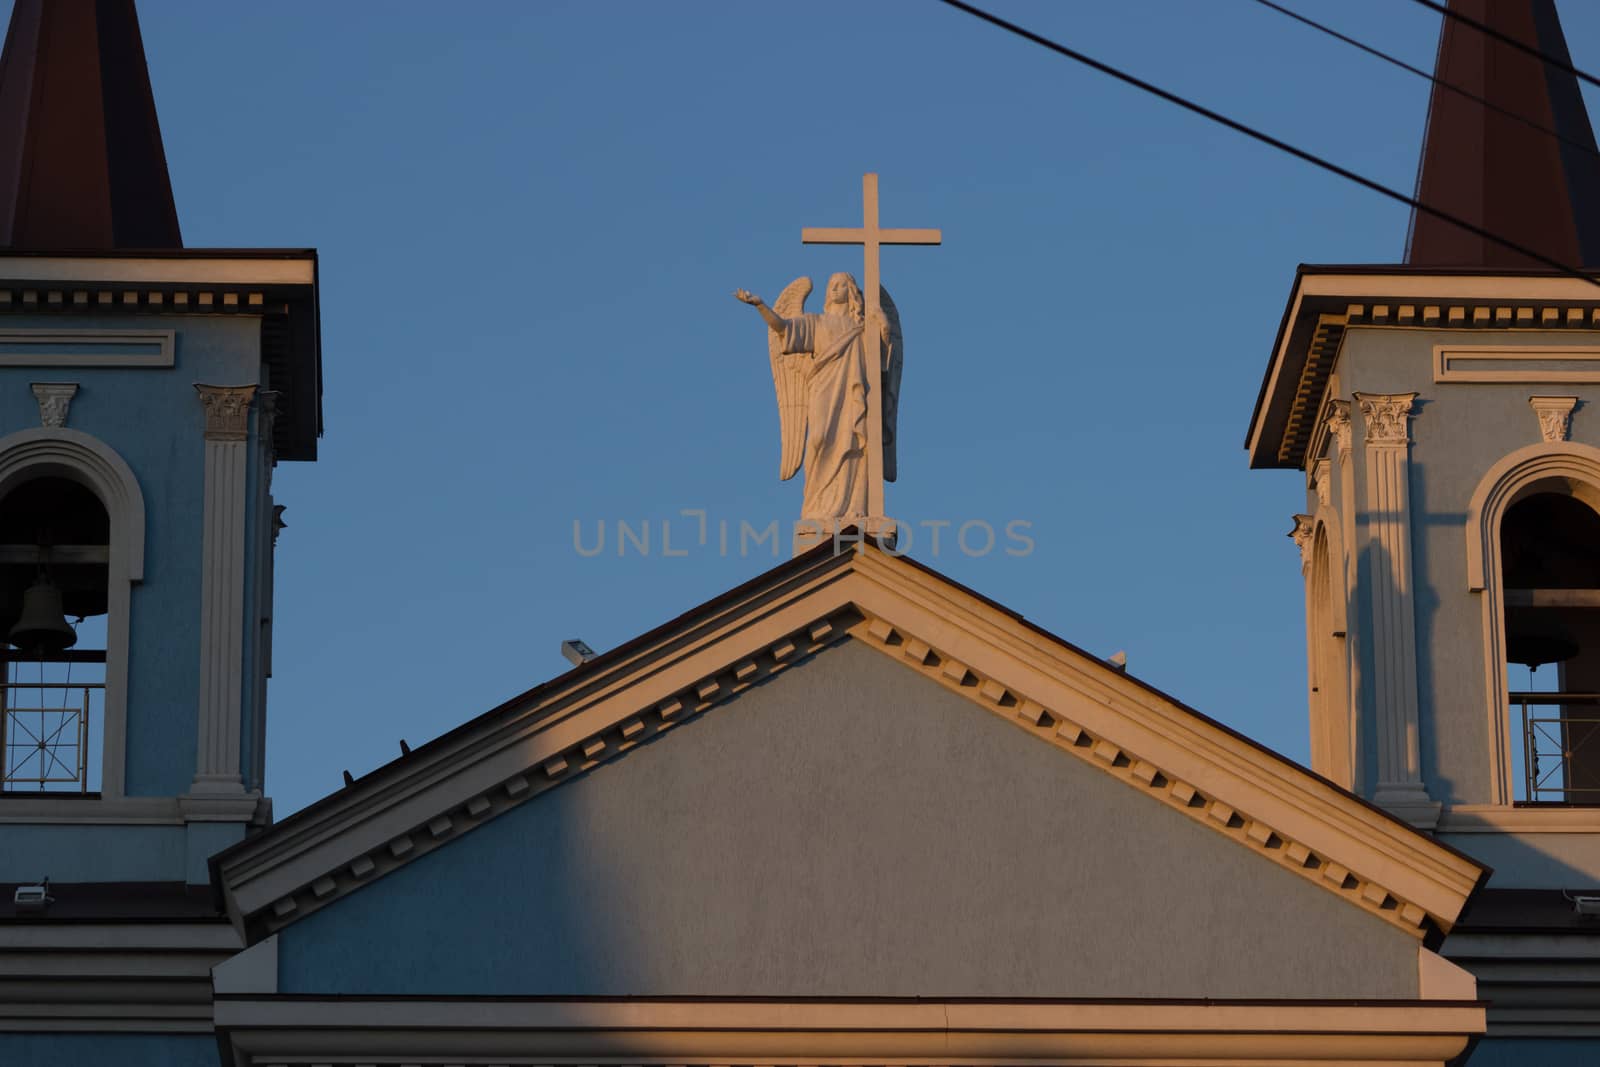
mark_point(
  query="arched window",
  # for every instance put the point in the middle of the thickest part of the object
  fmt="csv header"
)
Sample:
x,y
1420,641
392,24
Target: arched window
x,y
55,551
72,491
1533,551
1550,564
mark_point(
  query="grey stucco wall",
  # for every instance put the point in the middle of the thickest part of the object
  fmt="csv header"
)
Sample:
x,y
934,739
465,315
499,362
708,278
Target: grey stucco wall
x,y
849,828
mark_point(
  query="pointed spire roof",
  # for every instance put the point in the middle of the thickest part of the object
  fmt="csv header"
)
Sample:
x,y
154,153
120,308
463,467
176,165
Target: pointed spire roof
x,y
81,162
1485,166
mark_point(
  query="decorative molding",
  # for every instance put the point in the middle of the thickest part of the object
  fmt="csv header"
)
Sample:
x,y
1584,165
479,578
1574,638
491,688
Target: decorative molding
x,y
266,1031
227,410
95,465
1306,415
1565,364
1535,984
54,399
1387,418
560,730
148,977
1322,482
1336,415
1499,488
86,348
222,590
1554,414
1304,527
1303,354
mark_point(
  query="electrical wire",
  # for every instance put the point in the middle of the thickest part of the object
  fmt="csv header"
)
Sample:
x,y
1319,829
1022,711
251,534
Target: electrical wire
x,y
1490,31
1378,53
1265,138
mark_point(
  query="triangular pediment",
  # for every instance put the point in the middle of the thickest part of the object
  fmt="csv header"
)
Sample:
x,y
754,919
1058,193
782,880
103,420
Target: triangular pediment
x,y
1071,704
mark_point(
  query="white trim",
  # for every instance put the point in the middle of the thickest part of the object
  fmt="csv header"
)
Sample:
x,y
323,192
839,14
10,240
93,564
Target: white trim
x,y
1576,363
254,971
93,464
109,937
47,348
1439,979
1500,487
269,1030
222,270
1501,819
1327,654
135,811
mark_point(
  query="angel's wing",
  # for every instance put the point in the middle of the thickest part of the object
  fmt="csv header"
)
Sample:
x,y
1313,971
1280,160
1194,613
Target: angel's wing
x,y
892,360
789,374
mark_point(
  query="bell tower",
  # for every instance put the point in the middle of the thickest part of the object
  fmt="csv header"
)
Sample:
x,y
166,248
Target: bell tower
x,y
147,391
1443,412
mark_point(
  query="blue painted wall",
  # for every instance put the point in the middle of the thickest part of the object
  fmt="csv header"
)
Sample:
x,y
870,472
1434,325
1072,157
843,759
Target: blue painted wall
x,y
849,828
1536,1052
152,418
123,1050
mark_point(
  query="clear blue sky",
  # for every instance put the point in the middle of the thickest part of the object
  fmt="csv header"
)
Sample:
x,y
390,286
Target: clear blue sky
x,y
531,216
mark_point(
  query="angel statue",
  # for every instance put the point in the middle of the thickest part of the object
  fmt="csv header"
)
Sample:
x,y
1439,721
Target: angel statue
x,y
819,367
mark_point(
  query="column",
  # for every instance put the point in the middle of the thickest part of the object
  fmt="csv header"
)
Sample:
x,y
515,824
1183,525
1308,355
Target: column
x,y
1387,419
227,426
1337,414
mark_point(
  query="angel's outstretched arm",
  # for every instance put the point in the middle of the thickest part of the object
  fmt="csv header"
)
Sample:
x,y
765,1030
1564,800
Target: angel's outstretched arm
x,y
773,319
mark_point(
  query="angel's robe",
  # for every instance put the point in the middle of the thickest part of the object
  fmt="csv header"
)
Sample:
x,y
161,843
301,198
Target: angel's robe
x,y
836,414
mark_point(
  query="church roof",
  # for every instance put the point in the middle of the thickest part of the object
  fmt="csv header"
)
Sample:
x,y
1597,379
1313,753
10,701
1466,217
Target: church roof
x,y
81,162
1524,168
1003,665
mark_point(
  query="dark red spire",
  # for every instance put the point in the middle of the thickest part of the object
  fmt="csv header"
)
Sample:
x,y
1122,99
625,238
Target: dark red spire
x,y
81,163
1486,167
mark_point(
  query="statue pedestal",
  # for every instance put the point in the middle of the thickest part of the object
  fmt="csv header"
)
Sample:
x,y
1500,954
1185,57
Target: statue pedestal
x,y
843,533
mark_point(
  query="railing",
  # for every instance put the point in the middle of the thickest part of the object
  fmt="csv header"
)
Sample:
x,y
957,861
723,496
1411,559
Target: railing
x,y
47,731
1560,747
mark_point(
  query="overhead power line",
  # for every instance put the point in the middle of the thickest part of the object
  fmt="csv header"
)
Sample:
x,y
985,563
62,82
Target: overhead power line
x,y
1490,31
1419,72
1265,138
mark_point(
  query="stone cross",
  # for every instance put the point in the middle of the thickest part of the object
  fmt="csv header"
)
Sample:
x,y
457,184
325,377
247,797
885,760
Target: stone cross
x,y
871,237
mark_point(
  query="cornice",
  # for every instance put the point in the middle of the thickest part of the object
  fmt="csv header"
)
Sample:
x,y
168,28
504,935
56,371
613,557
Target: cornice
x,y
1324,307
928,1032
1061,695
136,977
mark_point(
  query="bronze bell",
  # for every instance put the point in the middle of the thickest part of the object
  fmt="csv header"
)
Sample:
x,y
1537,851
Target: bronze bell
x,y
43,625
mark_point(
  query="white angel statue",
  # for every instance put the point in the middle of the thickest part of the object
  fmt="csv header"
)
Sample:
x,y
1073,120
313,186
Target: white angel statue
x,y
819,368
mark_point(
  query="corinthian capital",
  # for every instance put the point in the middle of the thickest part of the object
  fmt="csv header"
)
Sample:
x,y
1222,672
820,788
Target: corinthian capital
x,y
1388,417
227,409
